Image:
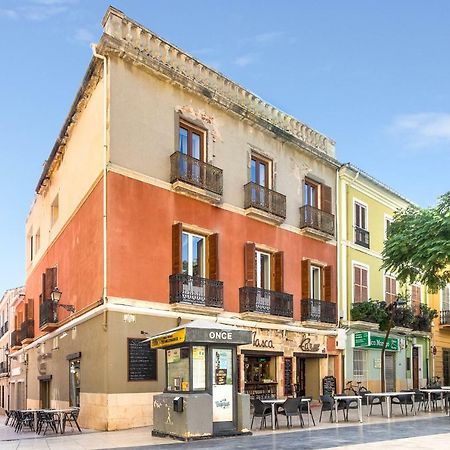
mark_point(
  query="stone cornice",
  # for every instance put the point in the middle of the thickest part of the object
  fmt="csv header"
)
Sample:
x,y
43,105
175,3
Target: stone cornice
x,y
135,43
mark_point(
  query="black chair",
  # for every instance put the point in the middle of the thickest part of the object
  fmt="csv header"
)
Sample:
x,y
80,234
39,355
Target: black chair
x,y
261,410
24,420
48,419
328,404
303,408
291,408
71,418
403,400
9,416
371,401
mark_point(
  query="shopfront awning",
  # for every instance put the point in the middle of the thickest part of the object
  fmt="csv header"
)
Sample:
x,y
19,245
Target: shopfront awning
x,y
201,332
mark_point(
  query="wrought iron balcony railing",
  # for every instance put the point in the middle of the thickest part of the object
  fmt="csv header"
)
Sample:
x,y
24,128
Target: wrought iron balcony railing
x,y
263,301
3,367
198,173
317,219
48,313
318,311
265,199
444,317
186,289
4,329
15,339
27,330
362,237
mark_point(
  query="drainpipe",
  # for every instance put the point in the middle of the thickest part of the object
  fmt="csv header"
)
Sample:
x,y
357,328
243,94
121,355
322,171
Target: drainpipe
x,y
105,152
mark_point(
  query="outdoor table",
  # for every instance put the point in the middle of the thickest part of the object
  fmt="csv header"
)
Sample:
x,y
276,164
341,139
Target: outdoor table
x,y
34,411
60,413
388,396
279,401
348,397
441,391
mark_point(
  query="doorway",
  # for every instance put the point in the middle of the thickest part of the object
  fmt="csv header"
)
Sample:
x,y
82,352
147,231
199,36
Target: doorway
x,y
389,371
415,367
300,388
44,393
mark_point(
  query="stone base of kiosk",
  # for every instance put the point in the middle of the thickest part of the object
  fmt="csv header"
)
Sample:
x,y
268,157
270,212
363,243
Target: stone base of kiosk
x,y
195,420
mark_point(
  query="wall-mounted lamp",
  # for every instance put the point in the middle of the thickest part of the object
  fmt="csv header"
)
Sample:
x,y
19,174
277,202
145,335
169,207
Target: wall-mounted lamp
x,y
56,297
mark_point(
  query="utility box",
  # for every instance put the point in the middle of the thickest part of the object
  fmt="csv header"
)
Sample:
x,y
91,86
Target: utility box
x,y
200,398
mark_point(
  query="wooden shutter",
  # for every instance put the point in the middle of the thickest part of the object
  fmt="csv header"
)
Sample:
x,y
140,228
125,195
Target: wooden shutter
x,y
213,256
356,285
364,284
30,309
278,272
306,275
249,264
177,230
42,296
325,199
327,282
50,282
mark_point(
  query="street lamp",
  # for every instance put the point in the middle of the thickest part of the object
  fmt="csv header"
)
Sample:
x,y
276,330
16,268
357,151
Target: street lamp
x,y
56,297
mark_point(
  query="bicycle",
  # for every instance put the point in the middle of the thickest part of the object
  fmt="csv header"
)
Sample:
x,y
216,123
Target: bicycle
x,y
351,389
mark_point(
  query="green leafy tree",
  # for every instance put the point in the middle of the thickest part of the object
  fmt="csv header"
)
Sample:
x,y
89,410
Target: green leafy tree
x,y
417,247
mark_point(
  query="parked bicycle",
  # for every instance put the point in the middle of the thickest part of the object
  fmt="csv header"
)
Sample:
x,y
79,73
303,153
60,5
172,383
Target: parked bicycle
x,y
352,389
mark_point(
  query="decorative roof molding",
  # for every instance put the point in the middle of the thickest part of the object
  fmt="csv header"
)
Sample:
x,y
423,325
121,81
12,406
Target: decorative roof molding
x,y
127,38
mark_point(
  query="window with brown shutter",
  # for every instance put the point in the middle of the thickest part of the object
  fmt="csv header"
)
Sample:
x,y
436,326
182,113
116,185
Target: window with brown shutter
x,y
49,282
325,199
213,256
177,229
360,284
249,264
30,309
416,295
305,273
327,283
390,290
278,271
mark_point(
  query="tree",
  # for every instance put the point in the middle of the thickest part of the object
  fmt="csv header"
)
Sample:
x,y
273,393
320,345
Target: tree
x,y
417,247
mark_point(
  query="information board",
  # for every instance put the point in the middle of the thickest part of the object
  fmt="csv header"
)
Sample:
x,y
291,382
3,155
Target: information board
x,y
329,385
141,360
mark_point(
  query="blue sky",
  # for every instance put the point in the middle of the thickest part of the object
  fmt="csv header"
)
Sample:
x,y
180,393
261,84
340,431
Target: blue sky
x,y
372,75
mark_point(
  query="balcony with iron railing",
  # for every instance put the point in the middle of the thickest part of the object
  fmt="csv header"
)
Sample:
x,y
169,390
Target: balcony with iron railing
x,y
264,203
15,340
3,367
259,301
195,291
4,329
48,315
444,318
318,311
196,178
362,237
27,331
317,222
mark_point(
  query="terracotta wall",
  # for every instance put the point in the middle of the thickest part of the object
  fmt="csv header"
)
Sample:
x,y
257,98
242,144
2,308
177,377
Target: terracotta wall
x,y
140,219
77,253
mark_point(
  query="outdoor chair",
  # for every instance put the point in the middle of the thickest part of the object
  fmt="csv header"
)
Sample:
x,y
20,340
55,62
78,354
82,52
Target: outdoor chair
x,y
261,410
303,408
404,401
328,403
10,417
24,420
48,419
291,408
71,418
372,401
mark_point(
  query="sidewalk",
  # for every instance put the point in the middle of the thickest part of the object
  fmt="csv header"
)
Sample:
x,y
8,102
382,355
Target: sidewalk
x,y
324,435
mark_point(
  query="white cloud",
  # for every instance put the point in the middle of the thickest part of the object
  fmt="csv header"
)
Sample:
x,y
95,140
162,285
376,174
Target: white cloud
x,y
423,129
37,10
8,13
84,35
245,60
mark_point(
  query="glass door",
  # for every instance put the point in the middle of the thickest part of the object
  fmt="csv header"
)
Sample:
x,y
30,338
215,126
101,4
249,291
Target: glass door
x,y
223,391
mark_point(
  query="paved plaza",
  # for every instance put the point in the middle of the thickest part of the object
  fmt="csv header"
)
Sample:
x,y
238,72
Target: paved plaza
x,y
426,431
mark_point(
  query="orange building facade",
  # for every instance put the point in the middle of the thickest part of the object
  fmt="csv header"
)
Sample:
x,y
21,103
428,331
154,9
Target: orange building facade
x,y
173,194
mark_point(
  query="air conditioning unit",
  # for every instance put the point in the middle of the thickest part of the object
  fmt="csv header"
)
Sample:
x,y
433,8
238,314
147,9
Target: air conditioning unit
x,y
341,339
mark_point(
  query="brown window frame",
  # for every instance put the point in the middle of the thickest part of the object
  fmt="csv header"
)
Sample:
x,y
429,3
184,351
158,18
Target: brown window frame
x,y
267,164
316,186
191,128
390,288
360,286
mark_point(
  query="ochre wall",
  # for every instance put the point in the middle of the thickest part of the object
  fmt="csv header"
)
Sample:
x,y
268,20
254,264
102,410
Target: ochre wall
x,y
139,266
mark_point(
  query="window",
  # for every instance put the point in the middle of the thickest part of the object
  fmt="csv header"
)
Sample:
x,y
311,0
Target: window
x,y
360,284
74,382
178,369
31,247
315,282
445,306
192,141
260,172
311,194
359,365
37,241
193,254
387,225
390,289
54,210
416,298
262,270
360,216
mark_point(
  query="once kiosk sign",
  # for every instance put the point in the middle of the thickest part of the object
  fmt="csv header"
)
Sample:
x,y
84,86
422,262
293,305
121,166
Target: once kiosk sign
x,y
364,339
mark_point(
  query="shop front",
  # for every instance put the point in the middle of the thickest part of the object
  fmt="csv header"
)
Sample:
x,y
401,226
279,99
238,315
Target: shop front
x,y
280,363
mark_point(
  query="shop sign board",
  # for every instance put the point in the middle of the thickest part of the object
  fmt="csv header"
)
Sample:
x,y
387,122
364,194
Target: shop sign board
x,y
169,339
365,339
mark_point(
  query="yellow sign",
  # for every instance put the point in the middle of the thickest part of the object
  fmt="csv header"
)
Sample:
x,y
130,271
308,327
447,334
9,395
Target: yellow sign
x,y
167,340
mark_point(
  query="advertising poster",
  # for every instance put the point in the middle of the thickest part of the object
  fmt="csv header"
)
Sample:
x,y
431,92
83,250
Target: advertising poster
x,y
223,403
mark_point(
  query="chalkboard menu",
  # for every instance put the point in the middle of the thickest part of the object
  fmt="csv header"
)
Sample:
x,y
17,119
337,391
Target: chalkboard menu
x,y
141,360
287,376
329,385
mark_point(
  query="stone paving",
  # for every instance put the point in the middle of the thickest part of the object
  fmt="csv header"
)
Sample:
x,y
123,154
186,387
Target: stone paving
x,y
425,431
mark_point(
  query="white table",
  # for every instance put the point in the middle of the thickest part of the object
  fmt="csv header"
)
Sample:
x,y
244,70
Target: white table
x,y
358,398
279,401
388,396
440,391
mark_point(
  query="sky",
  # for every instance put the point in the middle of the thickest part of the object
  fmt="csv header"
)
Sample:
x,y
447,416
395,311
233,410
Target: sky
x,y
372,75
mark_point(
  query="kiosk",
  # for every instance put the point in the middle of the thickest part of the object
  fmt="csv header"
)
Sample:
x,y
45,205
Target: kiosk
x,y
200,398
